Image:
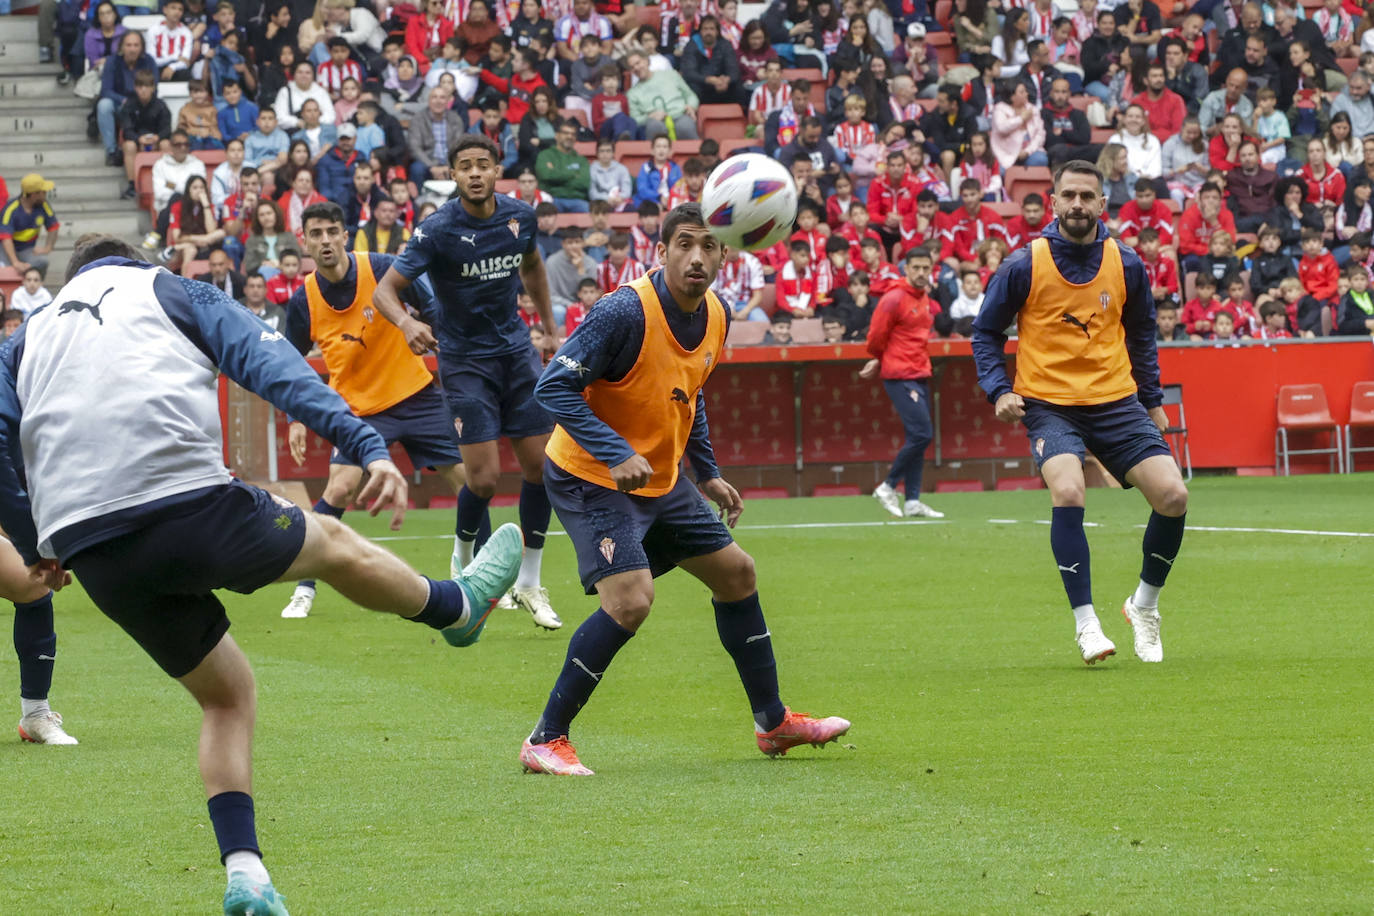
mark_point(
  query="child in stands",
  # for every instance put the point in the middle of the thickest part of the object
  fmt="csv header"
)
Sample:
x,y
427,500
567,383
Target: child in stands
x,y
1223,327
1317,270
1275,322
1198,314
1162,271
283,286
1167,327
1269,266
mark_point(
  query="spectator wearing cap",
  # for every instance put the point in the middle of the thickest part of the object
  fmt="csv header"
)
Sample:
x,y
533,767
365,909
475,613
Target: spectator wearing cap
x,y
334,171
566,269
21,223
563,172
920,61
433,136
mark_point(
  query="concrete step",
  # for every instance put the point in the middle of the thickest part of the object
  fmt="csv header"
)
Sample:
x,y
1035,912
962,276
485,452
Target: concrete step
x,y
77,154
86,190
51,139
111,205
19,28
123,223
19,50
59,99
67,124
29,83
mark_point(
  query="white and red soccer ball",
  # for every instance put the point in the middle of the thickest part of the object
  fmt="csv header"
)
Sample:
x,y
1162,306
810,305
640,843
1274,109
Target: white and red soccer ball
x,y
749,202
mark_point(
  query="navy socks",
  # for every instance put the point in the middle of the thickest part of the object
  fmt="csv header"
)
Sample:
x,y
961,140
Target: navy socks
x,y
445,605
589,655
1070,545
744,634
322,508
535,512
474,523
1163,535
231,814
35,643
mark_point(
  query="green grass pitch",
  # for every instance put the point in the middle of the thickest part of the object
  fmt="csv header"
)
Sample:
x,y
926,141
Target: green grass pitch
x,y
988,770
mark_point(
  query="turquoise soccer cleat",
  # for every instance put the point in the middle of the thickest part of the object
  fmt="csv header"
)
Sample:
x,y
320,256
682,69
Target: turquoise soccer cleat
x,y
246,897
485,580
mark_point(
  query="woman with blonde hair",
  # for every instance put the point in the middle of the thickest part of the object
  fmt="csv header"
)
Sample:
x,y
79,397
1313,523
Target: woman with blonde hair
x,y
1118,184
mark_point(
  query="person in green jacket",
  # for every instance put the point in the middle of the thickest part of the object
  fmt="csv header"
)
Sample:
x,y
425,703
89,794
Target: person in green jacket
x,y
657,97
563,173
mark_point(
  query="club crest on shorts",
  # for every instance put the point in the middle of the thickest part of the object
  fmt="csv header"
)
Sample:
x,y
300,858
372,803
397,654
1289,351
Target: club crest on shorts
x,y
514,227
458,425
368,313
1105,299
915,396
607,548
1040,447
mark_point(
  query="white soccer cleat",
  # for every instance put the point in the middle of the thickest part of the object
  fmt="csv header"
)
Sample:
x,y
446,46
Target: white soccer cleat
x,y
536,601
914,508
888,499
44,728
1144,622
1093,643
299,606
508,602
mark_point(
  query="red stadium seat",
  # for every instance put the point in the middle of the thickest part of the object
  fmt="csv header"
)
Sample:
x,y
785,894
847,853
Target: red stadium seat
x,y
575,220
945,51
837,489
1006,208
443,502
648,15
1080,102
959,486
1102,134
1348,65
730,147
1021,180
764,493
578,115
721,121
194,269
944,14
746,333
506,185
1303,409
1020,483
586,148
1361,418
633,154
623,219
807,331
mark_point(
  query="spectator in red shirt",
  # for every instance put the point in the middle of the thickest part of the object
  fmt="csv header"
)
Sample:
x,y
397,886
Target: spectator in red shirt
x,y
892,196
1146,211
1028,226
1317,270
857,229
1164,107
898,337
882,276
283,286
1224,150
1198,314
924,224
611,109
1274,322
426,34
1197,224
969,227
1325,182
797,282
1162,271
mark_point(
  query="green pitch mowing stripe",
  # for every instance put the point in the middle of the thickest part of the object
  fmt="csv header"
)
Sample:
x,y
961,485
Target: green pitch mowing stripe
x,y
988,769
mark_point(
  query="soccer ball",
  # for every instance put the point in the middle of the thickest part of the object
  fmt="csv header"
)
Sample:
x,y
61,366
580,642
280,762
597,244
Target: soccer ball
x,y
749,202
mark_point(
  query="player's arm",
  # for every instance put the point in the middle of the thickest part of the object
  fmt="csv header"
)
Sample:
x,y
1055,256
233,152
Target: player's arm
x,y
387,298
1138,319
1006,294
16,513
536,282
264,363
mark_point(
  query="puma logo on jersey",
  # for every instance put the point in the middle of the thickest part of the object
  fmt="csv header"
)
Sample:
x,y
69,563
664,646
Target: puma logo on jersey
x,y
68,308
679,395
470,239
357,340
1082,326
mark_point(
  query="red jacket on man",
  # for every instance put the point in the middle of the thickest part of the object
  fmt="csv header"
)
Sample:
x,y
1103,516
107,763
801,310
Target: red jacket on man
x,y
1195,234
884,196
899,332
1166,115
964,232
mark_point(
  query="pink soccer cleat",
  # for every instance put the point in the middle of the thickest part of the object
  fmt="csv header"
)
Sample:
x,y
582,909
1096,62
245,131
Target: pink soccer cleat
x,y
555,757
800,728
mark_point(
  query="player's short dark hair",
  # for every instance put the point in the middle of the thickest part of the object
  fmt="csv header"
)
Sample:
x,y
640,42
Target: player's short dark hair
x,y
781,317
1034,197
328,211
918,252
545,209
970,184
1078,167
1148,234
292,253
1205,279
810,206
618,240
475,141
1166,305
835,244
93,248
1211,187
688,214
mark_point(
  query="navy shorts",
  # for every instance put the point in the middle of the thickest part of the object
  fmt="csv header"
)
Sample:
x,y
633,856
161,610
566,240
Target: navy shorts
x,y
616,532
493,396
158,581
1121,433
421,424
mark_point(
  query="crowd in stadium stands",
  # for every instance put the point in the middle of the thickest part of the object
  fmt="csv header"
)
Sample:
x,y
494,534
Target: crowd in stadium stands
x,y
1237,140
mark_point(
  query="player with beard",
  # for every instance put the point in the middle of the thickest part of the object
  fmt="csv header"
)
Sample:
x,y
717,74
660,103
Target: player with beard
x,y
626,390
473,248
1087,379
370,365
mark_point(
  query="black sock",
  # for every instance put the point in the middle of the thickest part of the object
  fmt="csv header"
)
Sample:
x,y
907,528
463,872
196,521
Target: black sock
x,y
1163,535
472,514
323,508
231,814
744,634
1070,545
35,643
589,655
535,512
445,605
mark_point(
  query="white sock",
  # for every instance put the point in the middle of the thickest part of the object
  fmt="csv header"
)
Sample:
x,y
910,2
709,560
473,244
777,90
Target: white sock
x,y
304,591
33,707
465,550
1082,616
246,862
1146,595
529,568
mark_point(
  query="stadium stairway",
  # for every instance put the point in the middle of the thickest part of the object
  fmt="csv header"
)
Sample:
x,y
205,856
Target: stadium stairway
x,y
43,129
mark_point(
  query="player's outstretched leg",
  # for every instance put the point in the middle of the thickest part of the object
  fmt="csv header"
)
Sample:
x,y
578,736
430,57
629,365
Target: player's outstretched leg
x,y
625,602
535,513
1064,476
35,644
729,573
1158,479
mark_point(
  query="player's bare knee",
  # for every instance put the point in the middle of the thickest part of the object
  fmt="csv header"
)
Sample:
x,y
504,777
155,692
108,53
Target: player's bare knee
x,y
738,581
337,493
1172,501
1068,495
629,607
482,481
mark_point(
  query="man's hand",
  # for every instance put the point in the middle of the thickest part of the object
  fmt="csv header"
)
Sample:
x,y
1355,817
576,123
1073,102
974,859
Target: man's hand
x,y
632,473
550,344
295,439
726,497
870,369
1010,407
1161,419
419,336
386,489
51,574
